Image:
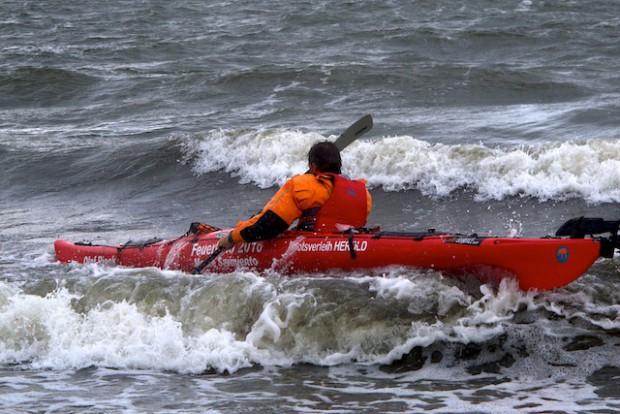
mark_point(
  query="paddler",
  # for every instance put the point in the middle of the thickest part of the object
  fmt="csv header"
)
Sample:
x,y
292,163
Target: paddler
x,y
322,199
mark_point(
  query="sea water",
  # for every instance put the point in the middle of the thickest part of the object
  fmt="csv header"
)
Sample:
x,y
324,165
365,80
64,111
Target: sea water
x,y
131,119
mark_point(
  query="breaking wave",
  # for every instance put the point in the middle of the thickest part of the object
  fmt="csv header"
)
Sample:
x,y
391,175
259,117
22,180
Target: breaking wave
x,y
588,170
163,320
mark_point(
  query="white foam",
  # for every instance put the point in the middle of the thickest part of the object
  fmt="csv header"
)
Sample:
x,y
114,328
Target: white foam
x,y
226,323
589,170
49,333
265,158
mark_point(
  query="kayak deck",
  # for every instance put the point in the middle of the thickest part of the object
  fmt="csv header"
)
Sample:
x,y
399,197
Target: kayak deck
x,y
537,263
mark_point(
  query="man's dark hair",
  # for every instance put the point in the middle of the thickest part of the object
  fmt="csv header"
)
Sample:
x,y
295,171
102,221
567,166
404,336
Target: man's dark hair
x,y
326,156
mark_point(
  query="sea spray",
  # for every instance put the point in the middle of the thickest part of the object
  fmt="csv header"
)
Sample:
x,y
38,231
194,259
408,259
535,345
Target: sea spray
x,y
589,170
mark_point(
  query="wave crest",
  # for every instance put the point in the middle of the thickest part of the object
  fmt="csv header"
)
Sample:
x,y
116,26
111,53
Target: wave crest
x,y
588,170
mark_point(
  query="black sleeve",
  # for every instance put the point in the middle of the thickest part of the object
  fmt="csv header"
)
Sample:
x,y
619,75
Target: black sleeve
x,y
266,227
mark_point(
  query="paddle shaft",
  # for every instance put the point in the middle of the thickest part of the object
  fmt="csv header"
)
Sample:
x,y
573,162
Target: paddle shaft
x,y
198,269
359,128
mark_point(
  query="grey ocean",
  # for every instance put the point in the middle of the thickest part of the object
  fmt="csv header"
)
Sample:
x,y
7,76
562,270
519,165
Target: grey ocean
x,y
130,119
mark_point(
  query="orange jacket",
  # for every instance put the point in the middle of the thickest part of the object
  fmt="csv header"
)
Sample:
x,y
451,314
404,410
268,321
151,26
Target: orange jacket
x,y
300,193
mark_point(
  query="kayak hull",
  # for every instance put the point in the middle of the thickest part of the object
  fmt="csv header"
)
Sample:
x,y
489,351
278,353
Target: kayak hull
x,y
537,263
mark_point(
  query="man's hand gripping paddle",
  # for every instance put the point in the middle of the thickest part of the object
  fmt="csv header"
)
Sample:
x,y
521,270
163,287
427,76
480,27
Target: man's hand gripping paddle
x,y
359,128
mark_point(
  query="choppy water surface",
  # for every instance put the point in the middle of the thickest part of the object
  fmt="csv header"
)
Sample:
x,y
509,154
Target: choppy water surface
x,y
133,119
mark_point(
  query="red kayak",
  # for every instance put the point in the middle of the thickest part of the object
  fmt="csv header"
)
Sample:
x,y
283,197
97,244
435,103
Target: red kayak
x,y
537,263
